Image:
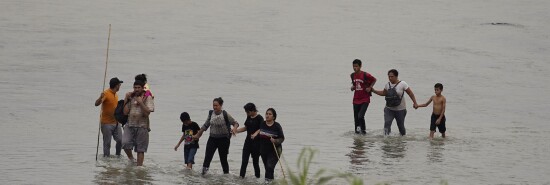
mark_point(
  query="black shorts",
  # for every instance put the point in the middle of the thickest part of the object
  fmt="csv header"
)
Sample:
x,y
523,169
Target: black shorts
x,y
441,126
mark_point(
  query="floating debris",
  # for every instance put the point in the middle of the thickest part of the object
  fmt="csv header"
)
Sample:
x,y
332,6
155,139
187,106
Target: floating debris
x,y
503,24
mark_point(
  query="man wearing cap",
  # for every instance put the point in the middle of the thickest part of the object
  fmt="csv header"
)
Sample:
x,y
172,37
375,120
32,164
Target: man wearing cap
x,y
109,126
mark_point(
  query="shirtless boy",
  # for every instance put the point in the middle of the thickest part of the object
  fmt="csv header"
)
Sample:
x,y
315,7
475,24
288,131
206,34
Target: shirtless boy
x,y
438,114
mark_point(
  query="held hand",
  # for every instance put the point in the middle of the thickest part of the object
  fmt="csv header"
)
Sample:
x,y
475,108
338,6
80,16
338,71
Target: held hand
x,y
415,106
176,147
368,89
352,87
272,140
139,100
234,131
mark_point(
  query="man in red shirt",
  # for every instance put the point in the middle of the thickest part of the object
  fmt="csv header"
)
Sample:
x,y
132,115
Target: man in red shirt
x,y
362,83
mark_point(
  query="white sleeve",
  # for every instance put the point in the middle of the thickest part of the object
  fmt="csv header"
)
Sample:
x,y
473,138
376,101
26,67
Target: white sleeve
x,y
404,85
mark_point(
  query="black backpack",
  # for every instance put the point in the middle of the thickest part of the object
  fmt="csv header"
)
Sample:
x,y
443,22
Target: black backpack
x,y
392,98
225,117
119,113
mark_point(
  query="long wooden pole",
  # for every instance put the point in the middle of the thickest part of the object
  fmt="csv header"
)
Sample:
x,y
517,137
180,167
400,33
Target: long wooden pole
x,y
102,89
279,158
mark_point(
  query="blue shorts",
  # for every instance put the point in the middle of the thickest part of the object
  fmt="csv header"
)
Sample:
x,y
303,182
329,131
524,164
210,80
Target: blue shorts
x,y
189,155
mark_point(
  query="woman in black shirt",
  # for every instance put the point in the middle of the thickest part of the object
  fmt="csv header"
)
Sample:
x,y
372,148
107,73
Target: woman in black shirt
x,y
270,136
251,146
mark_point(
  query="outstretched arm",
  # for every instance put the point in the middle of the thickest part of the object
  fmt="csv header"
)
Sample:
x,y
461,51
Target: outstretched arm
x,y
411,95
241,129
370,88
199,134
380,93
427,103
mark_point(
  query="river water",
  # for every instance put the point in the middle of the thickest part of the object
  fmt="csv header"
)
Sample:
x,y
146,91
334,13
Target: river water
x,y
296,56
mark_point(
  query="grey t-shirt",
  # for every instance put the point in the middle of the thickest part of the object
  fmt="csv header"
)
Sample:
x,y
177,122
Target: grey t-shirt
x,y
401,87
217,125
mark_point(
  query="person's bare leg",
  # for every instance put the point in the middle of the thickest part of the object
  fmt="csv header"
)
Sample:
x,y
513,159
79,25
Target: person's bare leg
x,y
443,134
140,156
129,154
432,134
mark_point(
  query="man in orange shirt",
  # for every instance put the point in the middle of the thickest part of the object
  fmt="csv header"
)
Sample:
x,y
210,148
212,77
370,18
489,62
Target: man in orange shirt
x,y
109,126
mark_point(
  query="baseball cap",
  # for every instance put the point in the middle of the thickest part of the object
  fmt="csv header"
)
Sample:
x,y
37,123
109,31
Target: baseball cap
x,y
114,81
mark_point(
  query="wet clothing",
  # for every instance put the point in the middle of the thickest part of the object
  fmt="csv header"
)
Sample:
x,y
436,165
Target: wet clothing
x,y
441,127
111,131
267,148
359,111
222,144
399,116
189,155
251,146
136,138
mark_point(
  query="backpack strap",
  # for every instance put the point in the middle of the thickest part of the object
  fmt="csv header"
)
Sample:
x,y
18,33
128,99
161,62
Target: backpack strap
x,y
227,123
209,115
389,85
396,90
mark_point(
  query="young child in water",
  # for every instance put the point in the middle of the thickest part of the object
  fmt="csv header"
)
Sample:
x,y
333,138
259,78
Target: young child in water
x,y
189,129
438,114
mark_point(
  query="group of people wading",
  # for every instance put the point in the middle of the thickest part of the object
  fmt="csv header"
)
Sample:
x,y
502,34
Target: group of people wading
x,y
264,138
396,108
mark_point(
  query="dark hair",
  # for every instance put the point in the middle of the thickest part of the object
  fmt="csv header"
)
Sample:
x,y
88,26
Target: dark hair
x,y
141,77
219,100
394,71
184,116
250,107
439,86
274,113
357,61
140,83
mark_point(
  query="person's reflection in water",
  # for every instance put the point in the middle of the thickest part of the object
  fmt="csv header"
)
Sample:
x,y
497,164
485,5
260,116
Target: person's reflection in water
x,y
124,175
394,147
435,151
357,155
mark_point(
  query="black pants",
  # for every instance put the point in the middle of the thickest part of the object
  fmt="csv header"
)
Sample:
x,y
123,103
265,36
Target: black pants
x,y
217,143
359,111
270,160
251,149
